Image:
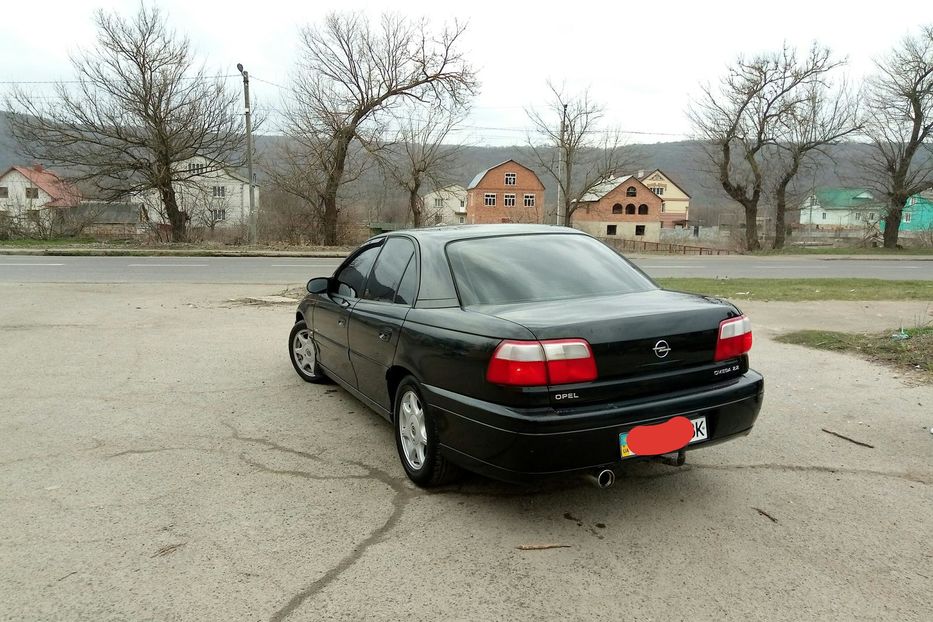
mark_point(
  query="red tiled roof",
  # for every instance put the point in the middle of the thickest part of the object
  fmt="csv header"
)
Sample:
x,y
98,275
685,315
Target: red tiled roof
x,y
63,193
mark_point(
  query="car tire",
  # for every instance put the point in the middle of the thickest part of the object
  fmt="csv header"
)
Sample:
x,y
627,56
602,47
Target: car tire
x,y
416,438
303,353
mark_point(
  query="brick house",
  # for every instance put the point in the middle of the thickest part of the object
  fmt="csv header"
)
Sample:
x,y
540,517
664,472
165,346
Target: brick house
x,y
507,192
675,206
622,207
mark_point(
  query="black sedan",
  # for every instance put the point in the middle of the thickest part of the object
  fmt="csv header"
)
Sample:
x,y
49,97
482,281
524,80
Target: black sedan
x,y
519,351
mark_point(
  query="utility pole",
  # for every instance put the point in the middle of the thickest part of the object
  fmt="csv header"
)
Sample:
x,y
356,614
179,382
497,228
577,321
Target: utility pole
x,y
249,156
560,164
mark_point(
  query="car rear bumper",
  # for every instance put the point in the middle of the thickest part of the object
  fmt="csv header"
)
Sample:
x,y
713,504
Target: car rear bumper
x,y
518,444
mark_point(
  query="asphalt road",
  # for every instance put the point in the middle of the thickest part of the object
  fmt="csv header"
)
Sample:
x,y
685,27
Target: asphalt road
x,y
160,460
297,270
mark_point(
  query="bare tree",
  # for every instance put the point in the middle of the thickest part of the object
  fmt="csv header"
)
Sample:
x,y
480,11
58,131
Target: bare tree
x,y
819,119
349,73
419,156
579,156
139,109
899,122
738,120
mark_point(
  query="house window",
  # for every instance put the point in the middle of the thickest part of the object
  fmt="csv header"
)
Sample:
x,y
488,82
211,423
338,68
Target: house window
x,y
219,214
631,191
630,208
462,203
4,192
610,229
871,215
489,199
461,218
508,200
658,190
617,208
906,216
529,200
639,229
196,169
439,202
824,215
220,191
32,193
643,210
510,179
858,215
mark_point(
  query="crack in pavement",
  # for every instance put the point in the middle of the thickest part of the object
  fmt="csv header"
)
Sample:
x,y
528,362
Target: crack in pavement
x,y
402,494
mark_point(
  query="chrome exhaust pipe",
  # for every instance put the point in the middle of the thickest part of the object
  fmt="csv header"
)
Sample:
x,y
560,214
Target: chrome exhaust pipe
x,y
603,478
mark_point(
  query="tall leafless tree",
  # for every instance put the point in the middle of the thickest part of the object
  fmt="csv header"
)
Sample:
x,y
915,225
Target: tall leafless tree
x,y
420,155
139,109
584,154
899,123
738,120
816,121
350,72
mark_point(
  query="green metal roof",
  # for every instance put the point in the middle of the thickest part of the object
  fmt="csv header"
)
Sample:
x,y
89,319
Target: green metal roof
x,y
846,198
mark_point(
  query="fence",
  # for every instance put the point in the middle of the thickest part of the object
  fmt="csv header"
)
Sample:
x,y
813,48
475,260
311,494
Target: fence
x,y
661,247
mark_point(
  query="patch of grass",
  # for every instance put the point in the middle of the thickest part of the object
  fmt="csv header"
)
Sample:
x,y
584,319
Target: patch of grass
x,y
54,243
848,250
914,355
803,289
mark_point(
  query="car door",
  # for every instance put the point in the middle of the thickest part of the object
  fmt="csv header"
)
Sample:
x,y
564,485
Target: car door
x,y
332,312
377,317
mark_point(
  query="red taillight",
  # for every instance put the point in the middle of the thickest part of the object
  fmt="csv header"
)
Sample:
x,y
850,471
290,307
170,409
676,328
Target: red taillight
x,y
540,363
735,338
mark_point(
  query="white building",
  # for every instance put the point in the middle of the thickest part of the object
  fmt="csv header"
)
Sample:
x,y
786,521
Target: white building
x,y
445,206
24,189
841,208
211,194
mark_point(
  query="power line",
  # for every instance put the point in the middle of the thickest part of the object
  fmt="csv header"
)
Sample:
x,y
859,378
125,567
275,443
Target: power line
x,y
19,82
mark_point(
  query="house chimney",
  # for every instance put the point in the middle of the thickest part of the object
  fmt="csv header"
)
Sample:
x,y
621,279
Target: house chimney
x,y
641,173
37,167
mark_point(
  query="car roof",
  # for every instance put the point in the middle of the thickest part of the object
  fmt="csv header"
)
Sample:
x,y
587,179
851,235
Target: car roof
x,y
450,233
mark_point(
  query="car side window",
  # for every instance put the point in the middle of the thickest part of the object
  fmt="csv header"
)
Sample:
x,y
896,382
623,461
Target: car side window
x,y
352,277
387,273
408,288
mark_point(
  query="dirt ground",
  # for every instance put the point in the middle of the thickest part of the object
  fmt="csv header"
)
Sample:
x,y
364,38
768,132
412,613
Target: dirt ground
x,y
161,460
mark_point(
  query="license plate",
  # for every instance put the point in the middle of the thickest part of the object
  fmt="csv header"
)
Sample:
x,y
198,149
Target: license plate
x,y
700,433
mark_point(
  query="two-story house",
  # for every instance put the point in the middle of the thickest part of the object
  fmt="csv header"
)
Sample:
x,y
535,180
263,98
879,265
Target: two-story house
x,y
29,188
506,192
621,207
445,206
211,194
675,206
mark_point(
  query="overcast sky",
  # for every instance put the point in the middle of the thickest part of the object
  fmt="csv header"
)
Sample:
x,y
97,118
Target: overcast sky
x,y
643,61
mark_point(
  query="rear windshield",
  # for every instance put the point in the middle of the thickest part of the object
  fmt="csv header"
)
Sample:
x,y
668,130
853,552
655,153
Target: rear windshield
x,y
530,268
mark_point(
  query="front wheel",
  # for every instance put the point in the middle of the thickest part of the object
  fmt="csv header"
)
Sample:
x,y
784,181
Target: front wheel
x,y
303,353
416,438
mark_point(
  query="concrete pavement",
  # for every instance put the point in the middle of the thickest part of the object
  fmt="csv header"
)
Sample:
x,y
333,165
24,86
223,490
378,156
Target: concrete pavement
x,y
161,460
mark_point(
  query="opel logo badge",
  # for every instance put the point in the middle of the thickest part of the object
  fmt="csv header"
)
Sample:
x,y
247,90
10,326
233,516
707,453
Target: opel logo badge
x,y
661,349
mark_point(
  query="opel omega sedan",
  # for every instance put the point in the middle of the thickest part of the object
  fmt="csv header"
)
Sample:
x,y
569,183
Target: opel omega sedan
x,y
520,351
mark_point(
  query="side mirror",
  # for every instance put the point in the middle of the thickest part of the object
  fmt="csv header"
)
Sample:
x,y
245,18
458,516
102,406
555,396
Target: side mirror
x,y
319,285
